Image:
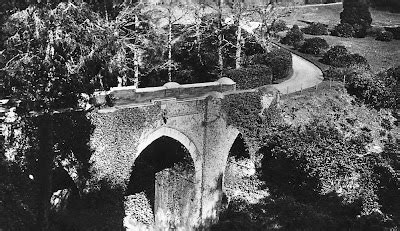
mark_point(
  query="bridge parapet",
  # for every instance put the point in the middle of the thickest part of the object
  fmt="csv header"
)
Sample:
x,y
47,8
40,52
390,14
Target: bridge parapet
x,y
130,95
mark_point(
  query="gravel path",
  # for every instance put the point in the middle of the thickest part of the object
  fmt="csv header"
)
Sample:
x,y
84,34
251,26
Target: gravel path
x,y
305,75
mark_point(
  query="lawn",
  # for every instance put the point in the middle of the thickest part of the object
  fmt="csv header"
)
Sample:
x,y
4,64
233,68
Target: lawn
x,y
330,14
380,55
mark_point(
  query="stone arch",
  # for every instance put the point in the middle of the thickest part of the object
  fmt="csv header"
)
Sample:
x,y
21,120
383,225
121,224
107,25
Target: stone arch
x,y
162,190
169,132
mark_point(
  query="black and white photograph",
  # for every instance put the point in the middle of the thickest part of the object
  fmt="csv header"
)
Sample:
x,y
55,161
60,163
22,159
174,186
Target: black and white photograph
x,y
199,115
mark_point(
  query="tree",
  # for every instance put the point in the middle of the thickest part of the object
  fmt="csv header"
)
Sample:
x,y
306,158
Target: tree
x,y
269,13
53,57
356,12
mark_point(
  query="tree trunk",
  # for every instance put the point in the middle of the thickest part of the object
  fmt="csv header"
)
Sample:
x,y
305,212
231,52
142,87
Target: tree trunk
x,y
220,45
170,44
238,43
136,58
45,166
136,67
198,16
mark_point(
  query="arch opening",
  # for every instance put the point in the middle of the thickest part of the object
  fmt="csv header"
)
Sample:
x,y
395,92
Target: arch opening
x,y
239,168
161,186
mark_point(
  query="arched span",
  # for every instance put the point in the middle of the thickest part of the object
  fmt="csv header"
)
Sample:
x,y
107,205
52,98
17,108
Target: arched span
x,y
169,132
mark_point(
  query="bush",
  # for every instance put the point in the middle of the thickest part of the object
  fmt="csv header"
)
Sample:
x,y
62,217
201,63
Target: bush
x,y
315,46
395,31
355,60
385,36
279,60
278,26
294,37
250,77
316,29
360,31
343,30
333,55
374,31
252,47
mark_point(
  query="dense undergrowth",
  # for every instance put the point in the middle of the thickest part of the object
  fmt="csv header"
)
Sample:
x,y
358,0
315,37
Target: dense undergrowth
x,y
331,164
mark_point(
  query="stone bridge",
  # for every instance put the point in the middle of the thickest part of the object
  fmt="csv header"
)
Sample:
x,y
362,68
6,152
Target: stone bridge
x,y
168,146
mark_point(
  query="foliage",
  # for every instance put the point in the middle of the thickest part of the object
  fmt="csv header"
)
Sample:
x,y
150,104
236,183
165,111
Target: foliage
x,y
244,111
17,204
293,37
360,31
315,46
356,12
338,56
317,179
376,90
252,47
385,36
331,57
53,55
279,60
309,169
101,208
395,31
316,29
196,53
278,25
250,77
343,30
129,121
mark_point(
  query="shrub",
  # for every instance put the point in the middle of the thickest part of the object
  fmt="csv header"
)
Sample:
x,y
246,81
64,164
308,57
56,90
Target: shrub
x,y
333,55
359,31
278,26
294,37
343,30
385,36
279,60
315,46
252,47
355,60
395,31
316,29
250,77
374,31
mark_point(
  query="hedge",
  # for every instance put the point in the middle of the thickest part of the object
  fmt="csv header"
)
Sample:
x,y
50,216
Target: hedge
x,y
279,60
250,77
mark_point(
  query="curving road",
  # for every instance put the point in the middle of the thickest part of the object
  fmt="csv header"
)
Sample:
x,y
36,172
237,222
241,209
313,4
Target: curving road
x,y
305,75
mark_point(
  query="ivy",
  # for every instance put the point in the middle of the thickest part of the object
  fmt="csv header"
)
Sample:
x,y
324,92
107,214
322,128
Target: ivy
x,y
116,136
245,112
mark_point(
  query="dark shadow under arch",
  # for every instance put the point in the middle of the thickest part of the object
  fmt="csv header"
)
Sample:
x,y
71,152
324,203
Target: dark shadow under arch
x,y
161,178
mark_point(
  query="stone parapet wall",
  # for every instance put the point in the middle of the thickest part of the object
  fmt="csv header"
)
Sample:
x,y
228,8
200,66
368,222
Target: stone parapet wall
x,y
129,95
